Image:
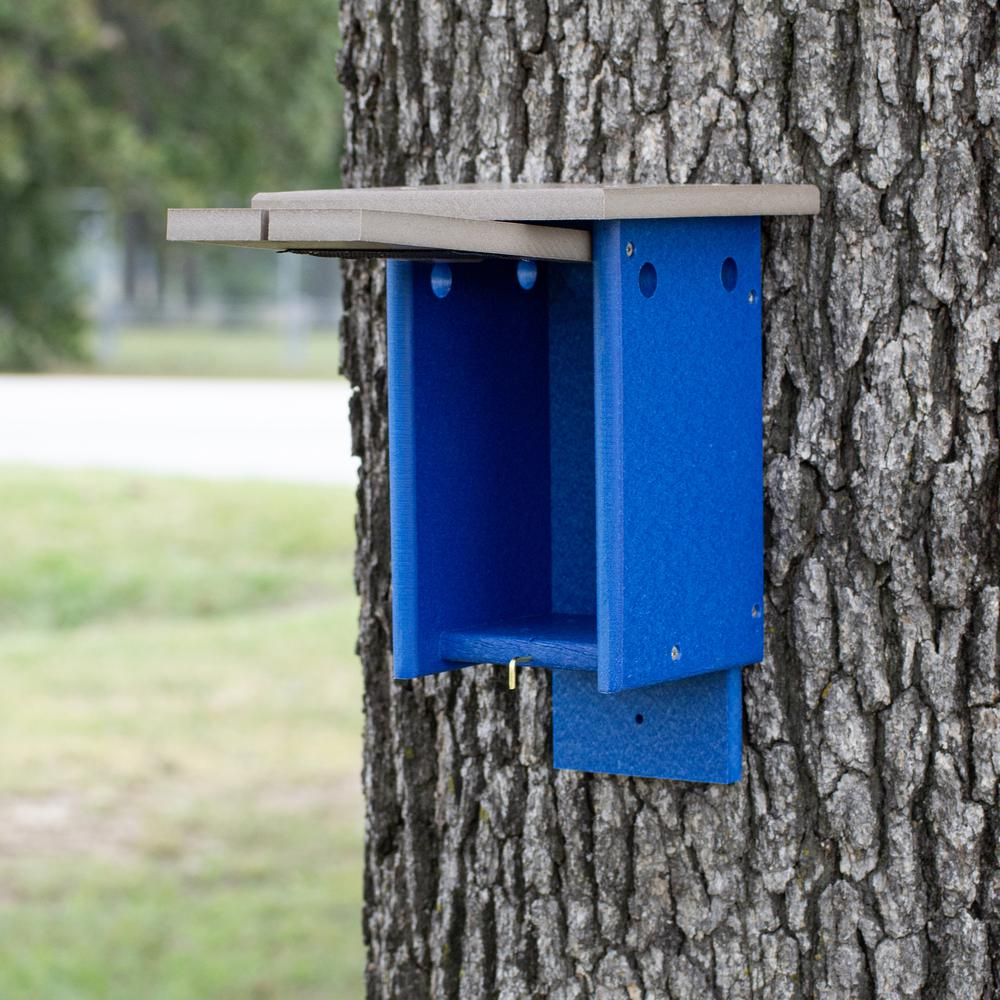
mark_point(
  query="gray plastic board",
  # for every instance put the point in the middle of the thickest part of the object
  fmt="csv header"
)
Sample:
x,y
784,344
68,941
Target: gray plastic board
x,y
381,233
552,202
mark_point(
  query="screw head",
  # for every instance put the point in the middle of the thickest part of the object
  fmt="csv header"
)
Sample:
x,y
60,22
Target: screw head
x,y
629,249
755,611
675,653
752,297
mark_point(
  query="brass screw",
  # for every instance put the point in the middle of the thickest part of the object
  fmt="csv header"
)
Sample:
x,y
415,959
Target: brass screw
x,y
512,670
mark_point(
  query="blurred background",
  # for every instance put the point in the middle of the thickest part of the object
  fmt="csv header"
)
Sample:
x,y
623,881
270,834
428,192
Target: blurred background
x,y
180,809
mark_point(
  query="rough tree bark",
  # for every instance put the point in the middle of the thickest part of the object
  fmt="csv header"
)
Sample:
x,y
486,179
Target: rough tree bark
x,y
858,857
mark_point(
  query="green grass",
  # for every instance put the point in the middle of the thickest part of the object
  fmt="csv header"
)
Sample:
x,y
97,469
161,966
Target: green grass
x,y
215,352
180,809
81,547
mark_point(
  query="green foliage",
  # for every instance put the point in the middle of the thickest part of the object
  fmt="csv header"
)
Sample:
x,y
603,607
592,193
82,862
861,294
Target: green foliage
x,y
44,117
161,102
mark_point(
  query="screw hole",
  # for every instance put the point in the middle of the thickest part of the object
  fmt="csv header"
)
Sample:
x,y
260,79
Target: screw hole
x,y
640,719
729,274
441,280
527,274
675,653
647,279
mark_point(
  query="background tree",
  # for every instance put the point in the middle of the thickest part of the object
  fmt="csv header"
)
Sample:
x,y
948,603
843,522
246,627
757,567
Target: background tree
x,y
858,857
161,102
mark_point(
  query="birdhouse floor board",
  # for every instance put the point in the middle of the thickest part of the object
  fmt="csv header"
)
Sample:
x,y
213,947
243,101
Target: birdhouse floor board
x,y
568,641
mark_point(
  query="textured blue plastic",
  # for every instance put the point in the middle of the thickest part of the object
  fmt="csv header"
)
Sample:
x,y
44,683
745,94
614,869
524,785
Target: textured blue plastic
x,y
550,640
468,454
571,439
679,449
576,476
691,729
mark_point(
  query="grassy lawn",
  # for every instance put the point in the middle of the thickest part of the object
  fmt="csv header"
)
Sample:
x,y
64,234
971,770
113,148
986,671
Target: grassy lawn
x,y
180,809
214,352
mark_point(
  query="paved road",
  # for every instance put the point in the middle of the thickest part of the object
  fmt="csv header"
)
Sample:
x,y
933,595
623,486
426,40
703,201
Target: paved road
x,y
296,431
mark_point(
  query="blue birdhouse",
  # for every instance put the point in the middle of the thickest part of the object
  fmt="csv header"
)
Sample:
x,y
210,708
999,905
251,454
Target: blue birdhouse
x,y
575,443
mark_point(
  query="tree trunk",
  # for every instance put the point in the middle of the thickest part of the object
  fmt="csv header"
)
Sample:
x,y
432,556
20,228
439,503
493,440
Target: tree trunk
x,y
858,857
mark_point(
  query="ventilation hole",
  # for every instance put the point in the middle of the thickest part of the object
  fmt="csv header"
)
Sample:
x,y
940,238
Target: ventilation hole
x,y
729,274
640,719
647,280
441,280
527,274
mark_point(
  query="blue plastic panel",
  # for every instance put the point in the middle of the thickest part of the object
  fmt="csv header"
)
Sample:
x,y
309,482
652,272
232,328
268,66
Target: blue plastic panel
x,y
688,730
575,476
571,439
568,641
679,448
468,453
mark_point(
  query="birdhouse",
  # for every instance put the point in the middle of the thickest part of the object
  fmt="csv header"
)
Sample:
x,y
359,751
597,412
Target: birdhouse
x,y
575,443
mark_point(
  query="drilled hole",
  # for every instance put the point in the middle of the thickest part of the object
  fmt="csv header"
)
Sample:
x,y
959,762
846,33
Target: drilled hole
x,y
729,274
647,279
527,274
639,719
441,280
